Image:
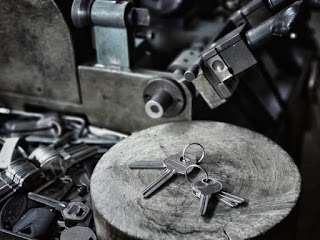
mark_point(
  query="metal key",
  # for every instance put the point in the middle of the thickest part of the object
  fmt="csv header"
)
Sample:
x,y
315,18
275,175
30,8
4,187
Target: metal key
x,y
224,197
55,162
147,165
161,165
173,165
229,199
73,211
205,188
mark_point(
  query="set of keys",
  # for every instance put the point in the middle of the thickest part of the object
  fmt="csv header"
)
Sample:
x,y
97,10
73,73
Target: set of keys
x,y
203,188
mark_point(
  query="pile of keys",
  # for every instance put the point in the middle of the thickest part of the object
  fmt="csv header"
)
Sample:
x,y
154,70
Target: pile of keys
x,y
46,161
182,164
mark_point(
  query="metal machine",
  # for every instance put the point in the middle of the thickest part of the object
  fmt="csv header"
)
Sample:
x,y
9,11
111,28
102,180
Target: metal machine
x,y
70,69
128,65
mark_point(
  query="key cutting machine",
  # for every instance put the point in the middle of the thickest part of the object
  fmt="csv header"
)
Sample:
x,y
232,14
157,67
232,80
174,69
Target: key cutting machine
x,y
128,65
76,67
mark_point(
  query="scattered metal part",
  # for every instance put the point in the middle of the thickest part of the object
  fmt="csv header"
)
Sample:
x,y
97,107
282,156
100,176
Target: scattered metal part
x,y
41,139
7,151
76,153
73,211
9,184
95,141
82,180
61,193
44,186
56,162
40,124
106,133
80,123
49,160
35,223
78,232
24,174
12,210
20,113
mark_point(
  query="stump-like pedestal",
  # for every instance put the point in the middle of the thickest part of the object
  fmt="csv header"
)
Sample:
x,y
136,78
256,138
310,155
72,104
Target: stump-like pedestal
x,y
248,165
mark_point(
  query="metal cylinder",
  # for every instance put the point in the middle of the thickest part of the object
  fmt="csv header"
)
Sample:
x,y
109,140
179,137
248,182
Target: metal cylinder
x,y
80,13
192,73
164,98
109,13
158,104
261,34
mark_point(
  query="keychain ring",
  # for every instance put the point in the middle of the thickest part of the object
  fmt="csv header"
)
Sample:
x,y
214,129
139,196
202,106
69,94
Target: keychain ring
x,y
195,166
186,147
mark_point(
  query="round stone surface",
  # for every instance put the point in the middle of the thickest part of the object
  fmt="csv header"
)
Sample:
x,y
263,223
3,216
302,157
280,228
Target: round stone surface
x,y
248,165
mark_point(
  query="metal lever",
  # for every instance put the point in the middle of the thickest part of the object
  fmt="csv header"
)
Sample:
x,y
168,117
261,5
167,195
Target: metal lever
x,y
280,25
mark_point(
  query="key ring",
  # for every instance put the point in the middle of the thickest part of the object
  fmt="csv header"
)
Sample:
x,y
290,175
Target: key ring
x,y
195,166
186,147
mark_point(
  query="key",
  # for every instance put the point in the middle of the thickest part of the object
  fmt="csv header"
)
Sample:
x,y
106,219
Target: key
x,y
205,188
147,165
77,153
96,141
174,165
106,133
224,197
46,124
161,164
156,164
73,211
229,199
55,162
8,151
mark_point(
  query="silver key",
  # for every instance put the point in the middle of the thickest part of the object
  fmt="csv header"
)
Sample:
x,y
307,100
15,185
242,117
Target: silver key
x,y
229,199
204,189
161,165
157,164
147,165
56,162
73,211
173,164
224,197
